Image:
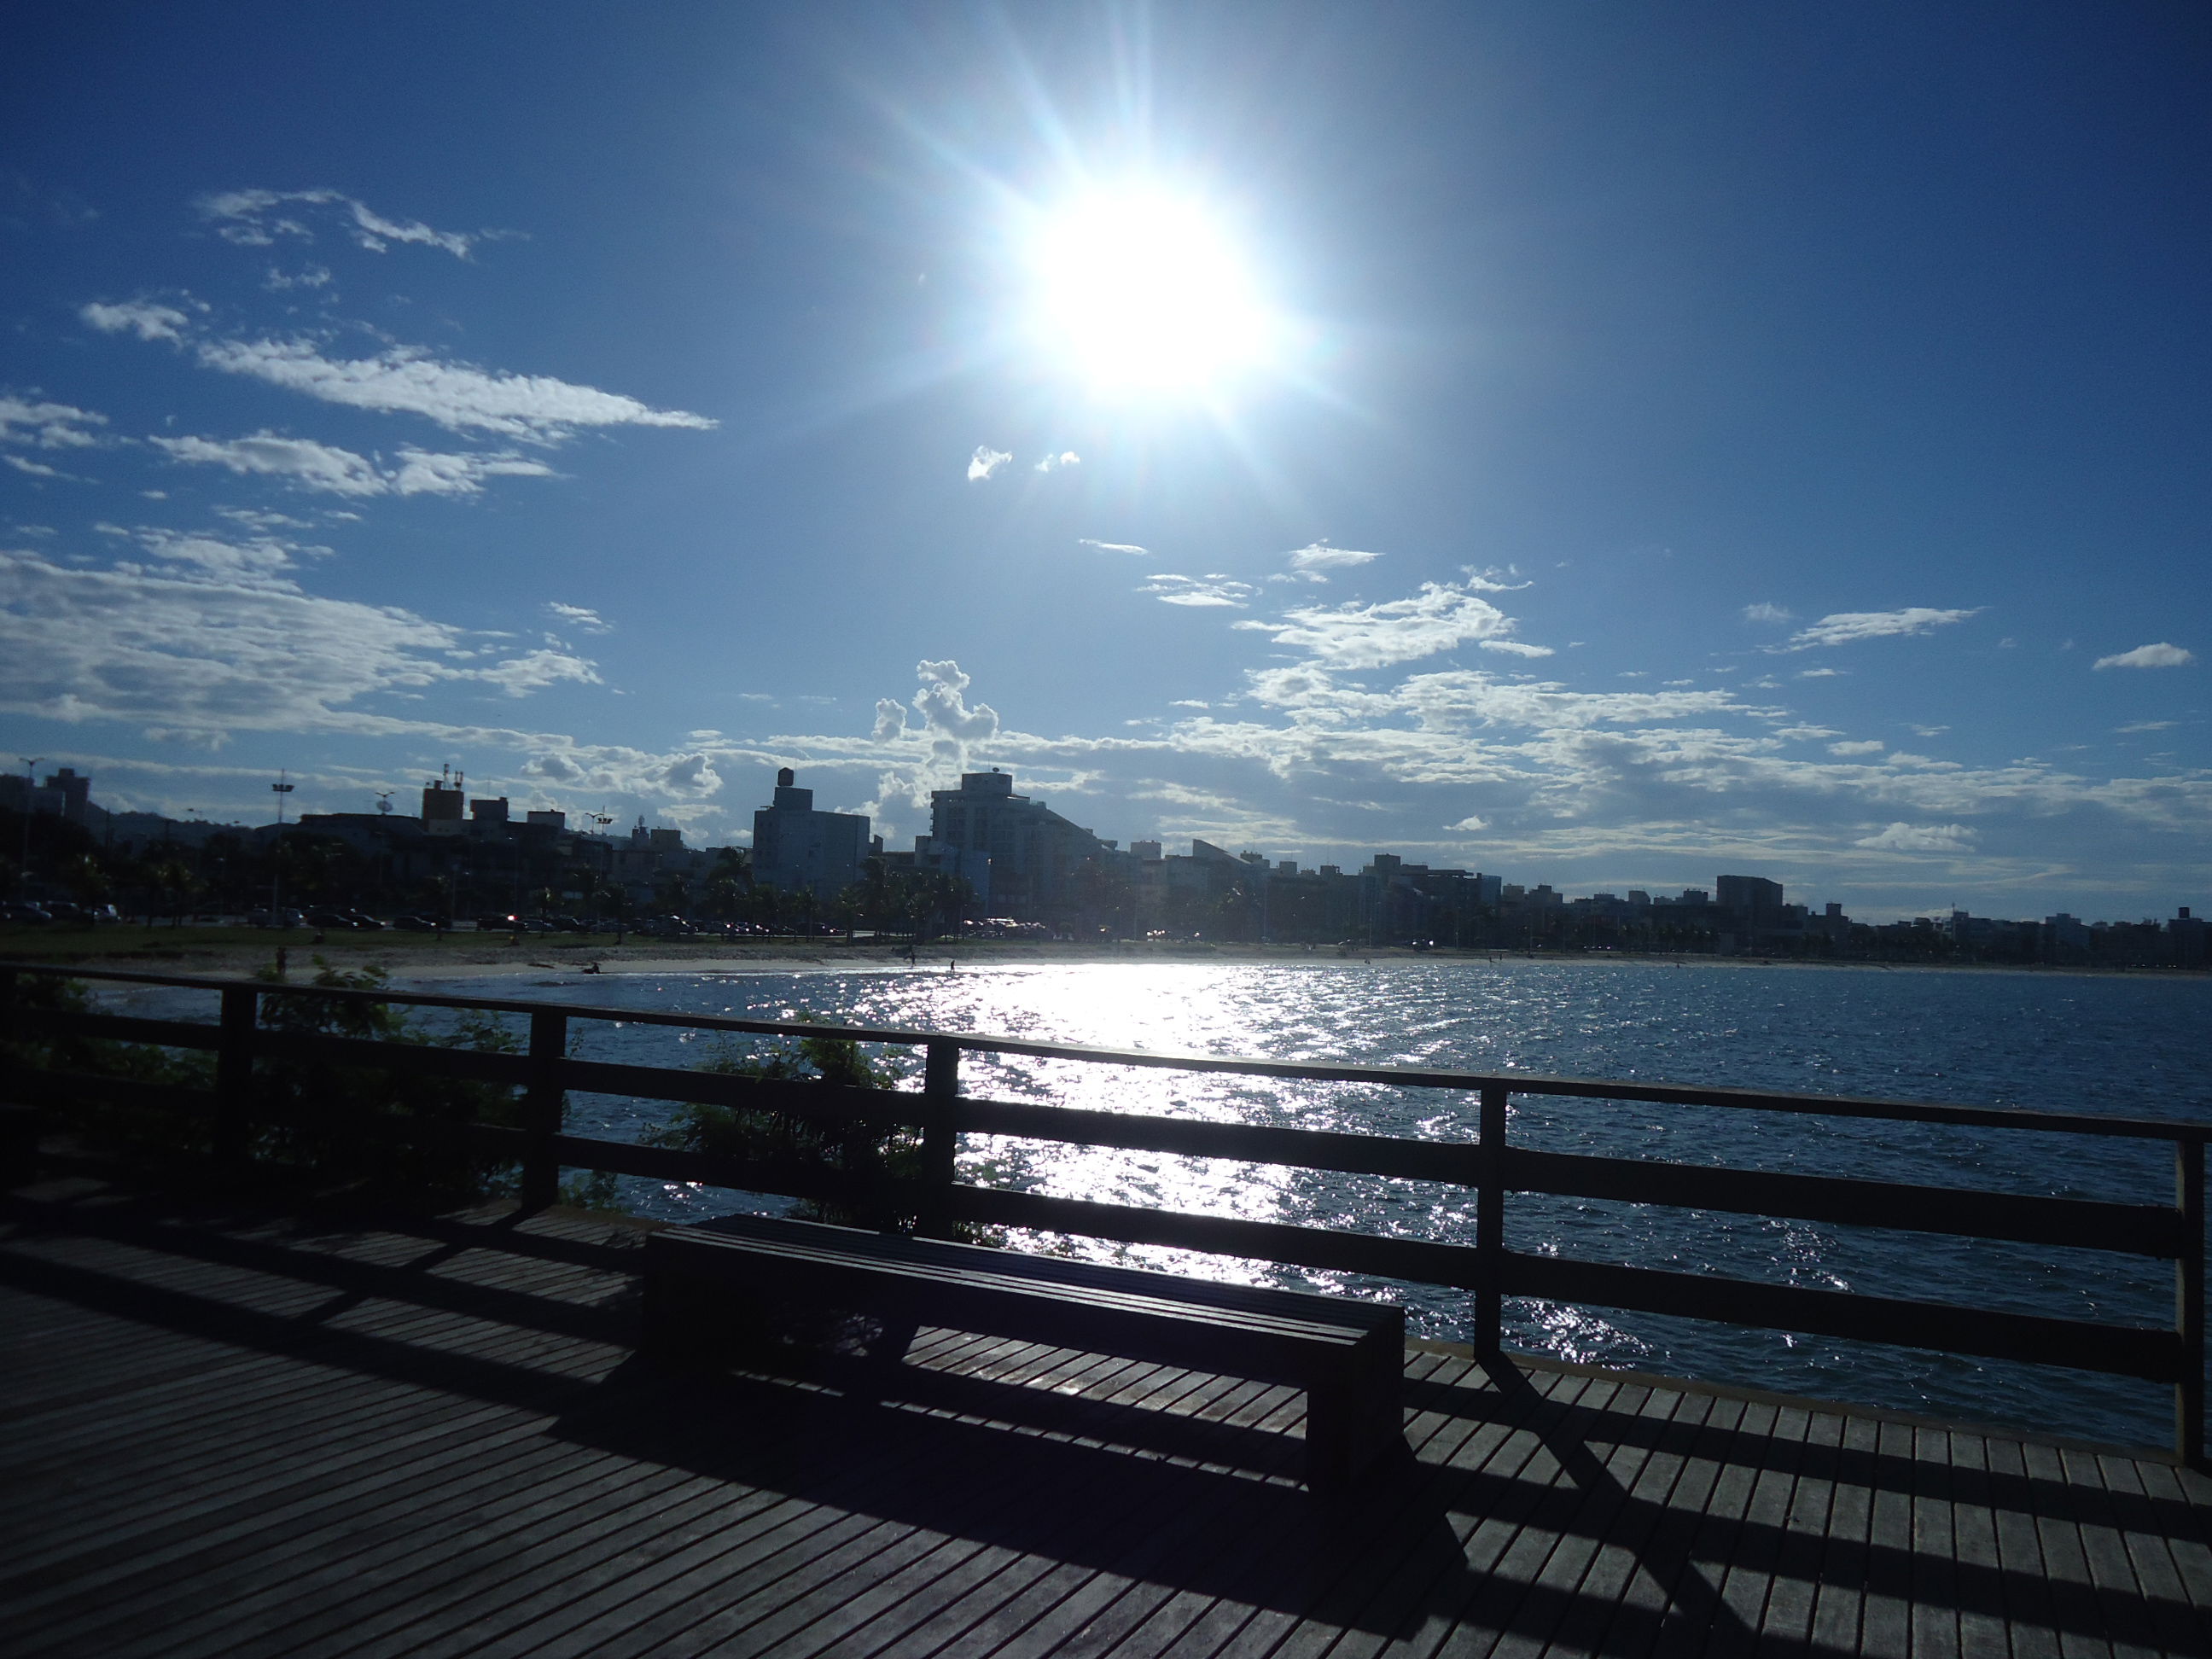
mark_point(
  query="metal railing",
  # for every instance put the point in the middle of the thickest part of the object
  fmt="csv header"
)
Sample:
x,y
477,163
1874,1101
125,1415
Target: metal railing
x,y
1488,1165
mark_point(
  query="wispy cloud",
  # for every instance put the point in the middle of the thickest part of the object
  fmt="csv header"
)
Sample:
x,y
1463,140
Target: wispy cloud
x,y
1765,611
302,461
213,637
1843,627
1921,838
258,218
1214,590
47,426
1859,746
143,317
457,396
1314,560
985,461
1441,615
1053,463
1112,547
2160,655
579,617
324,467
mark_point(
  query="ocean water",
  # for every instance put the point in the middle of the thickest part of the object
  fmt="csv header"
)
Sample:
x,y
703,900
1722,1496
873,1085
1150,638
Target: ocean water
x,y
2134,1046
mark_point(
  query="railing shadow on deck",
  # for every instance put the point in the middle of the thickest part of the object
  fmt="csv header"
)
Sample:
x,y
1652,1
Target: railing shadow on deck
x,y
1210,1509
1487,1166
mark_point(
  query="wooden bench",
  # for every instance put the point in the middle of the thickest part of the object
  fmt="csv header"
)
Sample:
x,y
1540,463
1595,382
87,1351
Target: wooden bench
x,y
704,1286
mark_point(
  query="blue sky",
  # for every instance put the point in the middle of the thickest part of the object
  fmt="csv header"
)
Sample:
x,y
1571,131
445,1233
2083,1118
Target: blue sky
x,y
1598,444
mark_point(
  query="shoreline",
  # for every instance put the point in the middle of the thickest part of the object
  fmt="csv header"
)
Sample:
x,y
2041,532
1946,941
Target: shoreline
x,y
206,953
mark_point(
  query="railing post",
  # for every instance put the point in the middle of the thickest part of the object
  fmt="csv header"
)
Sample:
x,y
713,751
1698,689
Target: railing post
x,y
940,1140
1489,1226
234,1071
542,1113
2188,1302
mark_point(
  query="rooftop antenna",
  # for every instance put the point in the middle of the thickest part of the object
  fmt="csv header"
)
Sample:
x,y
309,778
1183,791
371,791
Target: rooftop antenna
x,y
384,800
600,818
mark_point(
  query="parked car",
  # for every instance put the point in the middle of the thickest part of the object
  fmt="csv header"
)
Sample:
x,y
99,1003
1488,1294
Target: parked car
x,y
416,924
23,910
499,924
330,921
566,925
364,921
287,918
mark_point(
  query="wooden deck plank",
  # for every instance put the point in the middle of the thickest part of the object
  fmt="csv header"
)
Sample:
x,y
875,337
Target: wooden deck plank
x,y
1503,1543
2065,1563
1934,1579
2180,1625
1622,1548
1757,1550
1982,1629
1597,1471
706,1571
1053,1599
1379,1525
254,1438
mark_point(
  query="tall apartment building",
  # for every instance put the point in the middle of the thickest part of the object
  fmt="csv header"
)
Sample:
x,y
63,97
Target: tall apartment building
x,y
1031,853
796,847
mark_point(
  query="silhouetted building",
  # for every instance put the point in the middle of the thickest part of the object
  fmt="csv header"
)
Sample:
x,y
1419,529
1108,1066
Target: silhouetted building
x,y
800,849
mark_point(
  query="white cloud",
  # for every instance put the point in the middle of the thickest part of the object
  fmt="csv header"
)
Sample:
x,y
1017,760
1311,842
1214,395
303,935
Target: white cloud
x,y
420,472
1215,590
1443,614
1866,746
1821,673
406,379
577,616
47,426
214,638
276,282
944,708
248,217
1314,560
2147,725
36,469
310,464
1112,547
518,677
1765,611
1921,838
1843,626
985,461
2160,655
1053,463
257,559
1518,648
141,317
691,774
1468,826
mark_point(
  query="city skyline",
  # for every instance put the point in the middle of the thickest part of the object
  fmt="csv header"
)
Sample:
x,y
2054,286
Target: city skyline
x,y
1592,447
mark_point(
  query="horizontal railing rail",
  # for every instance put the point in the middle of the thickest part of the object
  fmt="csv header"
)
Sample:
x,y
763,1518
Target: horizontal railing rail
x,y
1492,1169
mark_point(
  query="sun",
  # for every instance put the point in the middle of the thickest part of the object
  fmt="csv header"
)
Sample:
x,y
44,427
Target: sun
x,y
1139,289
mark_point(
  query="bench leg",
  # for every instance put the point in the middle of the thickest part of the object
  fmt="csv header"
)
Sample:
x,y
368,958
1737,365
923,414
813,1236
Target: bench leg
x,y
1353,1417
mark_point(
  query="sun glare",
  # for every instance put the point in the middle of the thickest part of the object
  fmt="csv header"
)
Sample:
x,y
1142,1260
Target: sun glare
x,y
1139,290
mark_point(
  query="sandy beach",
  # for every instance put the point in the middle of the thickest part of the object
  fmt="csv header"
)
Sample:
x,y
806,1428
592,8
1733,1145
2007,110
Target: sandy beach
x,y
235,952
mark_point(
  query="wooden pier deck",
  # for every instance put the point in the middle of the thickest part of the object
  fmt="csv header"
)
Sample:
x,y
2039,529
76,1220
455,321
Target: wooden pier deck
x,y
236,1435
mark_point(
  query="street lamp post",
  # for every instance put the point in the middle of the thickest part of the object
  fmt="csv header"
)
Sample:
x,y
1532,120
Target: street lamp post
x,y
279,789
